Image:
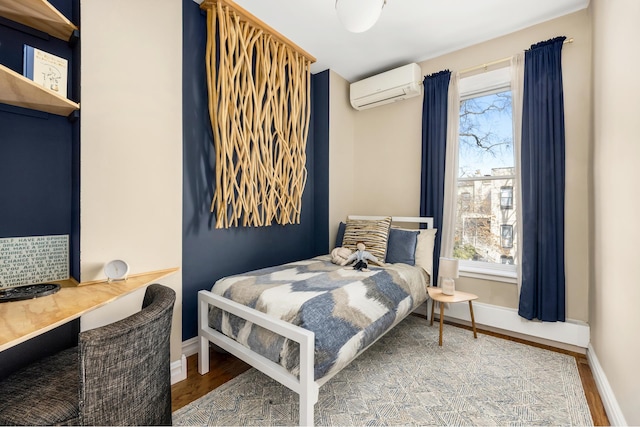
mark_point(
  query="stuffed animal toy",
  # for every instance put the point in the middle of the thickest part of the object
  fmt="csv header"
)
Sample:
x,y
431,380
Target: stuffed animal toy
x,y
361,256
339,255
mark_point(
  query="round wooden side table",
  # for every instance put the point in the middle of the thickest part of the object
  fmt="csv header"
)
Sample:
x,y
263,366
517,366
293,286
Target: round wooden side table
x,y
436,295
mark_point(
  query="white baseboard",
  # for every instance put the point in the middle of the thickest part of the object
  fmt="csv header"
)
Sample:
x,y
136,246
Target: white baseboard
x,y
179,370
571,332
611,407
179,367
190,346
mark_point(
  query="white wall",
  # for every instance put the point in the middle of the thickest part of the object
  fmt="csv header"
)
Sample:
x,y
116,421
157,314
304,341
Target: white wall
x,y
131,144
614,314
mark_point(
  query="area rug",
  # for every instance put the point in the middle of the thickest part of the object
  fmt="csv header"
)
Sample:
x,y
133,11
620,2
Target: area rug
x,y
407,379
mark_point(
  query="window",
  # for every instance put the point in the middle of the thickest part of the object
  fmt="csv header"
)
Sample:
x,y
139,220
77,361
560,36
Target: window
x,y
485,228
506,233
506,197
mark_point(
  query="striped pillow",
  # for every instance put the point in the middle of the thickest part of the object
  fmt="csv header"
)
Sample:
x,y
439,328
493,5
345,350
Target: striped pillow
x,y
373,233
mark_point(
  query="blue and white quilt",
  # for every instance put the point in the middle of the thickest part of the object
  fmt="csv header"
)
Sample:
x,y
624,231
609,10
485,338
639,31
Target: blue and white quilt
x,y
346,309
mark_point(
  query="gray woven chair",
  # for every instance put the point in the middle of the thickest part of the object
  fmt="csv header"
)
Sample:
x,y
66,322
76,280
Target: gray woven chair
x,y
118,375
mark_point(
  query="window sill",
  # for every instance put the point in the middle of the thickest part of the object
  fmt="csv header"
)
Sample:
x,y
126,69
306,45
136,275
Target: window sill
x,y
493,274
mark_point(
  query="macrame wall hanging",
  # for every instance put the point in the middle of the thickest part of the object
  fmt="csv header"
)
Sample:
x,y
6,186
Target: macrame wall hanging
x,y
259,103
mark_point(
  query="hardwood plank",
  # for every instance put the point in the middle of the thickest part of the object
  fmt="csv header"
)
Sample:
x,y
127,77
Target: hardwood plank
x,y
591,392
225,367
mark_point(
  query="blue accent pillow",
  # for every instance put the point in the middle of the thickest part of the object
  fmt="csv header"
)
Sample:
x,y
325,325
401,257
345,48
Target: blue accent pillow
x,y
401,246
340,234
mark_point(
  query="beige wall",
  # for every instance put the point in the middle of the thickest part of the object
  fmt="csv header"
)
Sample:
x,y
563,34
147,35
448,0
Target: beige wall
x,y
614,314
131,137
341,154
387,161
387,152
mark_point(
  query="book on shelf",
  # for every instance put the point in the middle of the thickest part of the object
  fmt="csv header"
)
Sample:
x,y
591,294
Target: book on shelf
x,y
47,70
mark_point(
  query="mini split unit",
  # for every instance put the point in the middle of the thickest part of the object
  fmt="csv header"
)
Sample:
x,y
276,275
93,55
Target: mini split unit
x,y
394,85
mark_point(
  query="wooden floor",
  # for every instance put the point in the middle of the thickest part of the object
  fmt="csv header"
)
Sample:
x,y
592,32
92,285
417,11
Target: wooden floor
x,y
225,367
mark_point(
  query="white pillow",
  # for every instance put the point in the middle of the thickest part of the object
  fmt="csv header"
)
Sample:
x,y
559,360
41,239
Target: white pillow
x,y
424,249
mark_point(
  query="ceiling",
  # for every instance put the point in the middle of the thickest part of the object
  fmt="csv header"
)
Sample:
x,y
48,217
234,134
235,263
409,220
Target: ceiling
x,y
408,30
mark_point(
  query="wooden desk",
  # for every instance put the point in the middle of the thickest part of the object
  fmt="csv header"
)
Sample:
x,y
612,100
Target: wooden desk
x,y
23,320
436,295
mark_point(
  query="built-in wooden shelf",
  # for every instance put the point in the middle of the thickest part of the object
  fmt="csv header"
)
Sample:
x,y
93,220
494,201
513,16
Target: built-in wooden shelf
x,y
15,89
18,90
23,320
38,14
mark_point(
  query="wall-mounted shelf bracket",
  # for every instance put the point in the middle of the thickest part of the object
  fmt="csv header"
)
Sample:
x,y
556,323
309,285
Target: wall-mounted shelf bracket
x,y
74,116
73,38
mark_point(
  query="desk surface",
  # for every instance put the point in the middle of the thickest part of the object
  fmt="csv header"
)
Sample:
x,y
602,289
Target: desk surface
x,y
23,320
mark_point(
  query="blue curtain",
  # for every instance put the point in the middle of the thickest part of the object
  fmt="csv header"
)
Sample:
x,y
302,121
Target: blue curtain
x,y
434,142
542,295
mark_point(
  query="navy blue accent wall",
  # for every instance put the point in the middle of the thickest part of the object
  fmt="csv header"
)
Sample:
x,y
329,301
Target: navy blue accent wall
x,y
319,128
74,243
37,164
44,345
208,253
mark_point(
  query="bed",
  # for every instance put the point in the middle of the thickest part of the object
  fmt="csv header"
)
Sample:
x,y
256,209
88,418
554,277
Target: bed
x,y
302,322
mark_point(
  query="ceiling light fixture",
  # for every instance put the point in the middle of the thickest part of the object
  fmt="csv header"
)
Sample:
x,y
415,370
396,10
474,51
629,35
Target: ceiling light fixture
x,y
358,16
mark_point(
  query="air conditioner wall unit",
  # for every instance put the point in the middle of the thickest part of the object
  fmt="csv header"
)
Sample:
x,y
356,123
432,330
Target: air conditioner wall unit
x,y
394,85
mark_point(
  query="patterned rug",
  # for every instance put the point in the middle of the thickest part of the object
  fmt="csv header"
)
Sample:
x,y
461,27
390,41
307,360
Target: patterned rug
x,y
407,379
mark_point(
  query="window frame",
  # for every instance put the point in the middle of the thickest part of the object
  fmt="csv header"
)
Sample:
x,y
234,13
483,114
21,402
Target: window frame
x,y
478,85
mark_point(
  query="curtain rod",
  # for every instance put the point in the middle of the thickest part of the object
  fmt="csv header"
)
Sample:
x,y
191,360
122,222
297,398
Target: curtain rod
x,y
497,61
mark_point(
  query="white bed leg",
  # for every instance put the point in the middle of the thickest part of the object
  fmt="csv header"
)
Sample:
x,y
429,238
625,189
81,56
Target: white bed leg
x,y
203,356
203,348
309,388
307,404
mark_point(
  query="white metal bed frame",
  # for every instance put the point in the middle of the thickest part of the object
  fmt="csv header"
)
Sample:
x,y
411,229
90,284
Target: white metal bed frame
x,y
305,385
